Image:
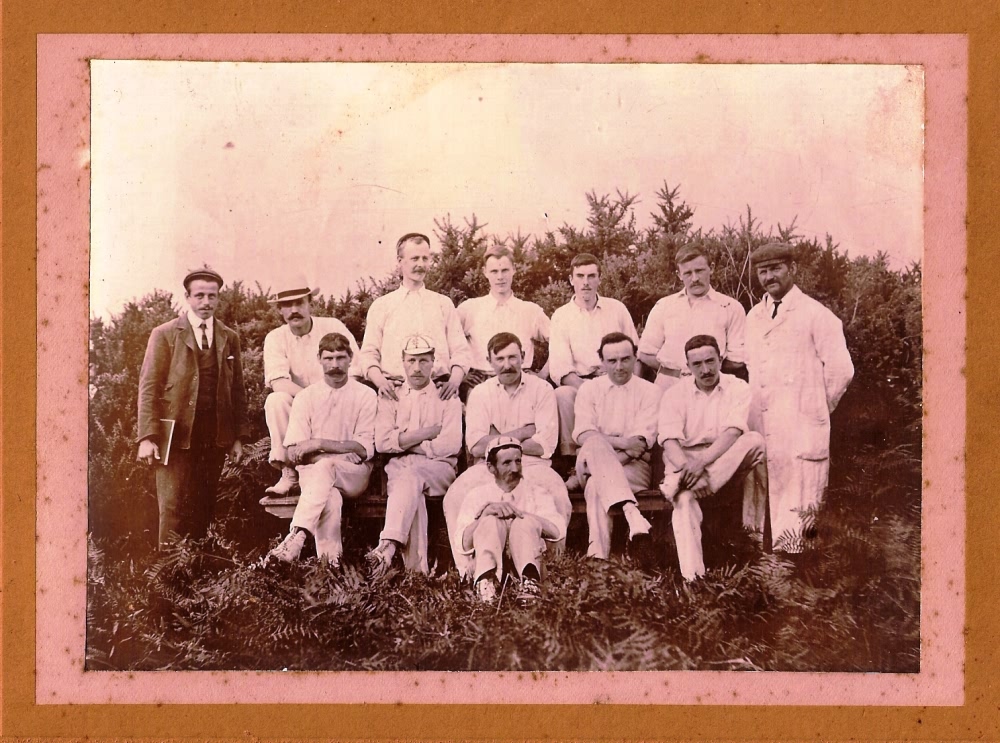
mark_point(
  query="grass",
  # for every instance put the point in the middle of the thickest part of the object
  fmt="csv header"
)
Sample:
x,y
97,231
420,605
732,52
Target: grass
x,y
850,604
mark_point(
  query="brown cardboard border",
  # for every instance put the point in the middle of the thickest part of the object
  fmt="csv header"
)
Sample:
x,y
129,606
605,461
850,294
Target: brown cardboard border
x,y
22,20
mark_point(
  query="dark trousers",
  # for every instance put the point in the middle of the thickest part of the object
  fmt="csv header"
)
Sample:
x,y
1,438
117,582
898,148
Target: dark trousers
x,y
185,488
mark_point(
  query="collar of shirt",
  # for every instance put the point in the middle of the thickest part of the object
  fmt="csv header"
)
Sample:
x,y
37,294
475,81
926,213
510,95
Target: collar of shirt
x,y
495,381
196,326
312,327
789,300
720,387
507,301
403,292
409,391
583,310
711,295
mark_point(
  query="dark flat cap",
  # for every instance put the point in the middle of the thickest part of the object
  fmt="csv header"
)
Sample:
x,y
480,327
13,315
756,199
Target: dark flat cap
x,y
204,273
772,252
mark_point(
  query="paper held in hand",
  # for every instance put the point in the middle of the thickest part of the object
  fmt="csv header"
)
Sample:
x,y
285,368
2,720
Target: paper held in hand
x,y
166,439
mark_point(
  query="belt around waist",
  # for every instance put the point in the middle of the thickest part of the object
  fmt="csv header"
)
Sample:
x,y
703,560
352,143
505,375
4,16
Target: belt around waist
x,y
677,373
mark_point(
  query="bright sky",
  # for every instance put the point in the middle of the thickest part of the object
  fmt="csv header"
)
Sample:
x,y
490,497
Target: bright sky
x,y
266,171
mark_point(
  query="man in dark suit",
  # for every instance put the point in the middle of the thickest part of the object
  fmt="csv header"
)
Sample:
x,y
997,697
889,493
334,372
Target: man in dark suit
x,y
191,374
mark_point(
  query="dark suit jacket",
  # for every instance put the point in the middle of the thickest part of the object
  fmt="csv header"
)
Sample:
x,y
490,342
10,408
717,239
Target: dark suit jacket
x,y
168,383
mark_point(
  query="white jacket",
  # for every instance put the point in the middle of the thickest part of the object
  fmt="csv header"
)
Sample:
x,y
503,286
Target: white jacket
x,y
799,369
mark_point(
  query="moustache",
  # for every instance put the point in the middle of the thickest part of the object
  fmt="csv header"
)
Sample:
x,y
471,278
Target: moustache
x,y
295,316
508,371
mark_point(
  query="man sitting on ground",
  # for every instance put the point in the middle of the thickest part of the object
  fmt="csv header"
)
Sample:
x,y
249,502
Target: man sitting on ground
x,y
424,435
706,442
521,406
510,513
616,416
331,440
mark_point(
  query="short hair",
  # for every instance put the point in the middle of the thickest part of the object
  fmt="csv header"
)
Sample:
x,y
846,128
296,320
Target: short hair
x,y
497,251
500,341
334,342
612,338
690,252
415,237
584,259
699,341
491,455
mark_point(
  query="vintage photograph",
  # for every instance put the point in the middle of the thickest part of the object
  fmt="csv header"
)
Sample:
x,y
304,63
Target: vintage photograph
x,y
505,366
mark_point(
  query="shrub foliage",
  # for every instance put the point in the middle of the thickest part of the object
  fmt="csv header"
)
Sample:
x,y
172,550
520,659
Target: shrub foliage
x,y
852,604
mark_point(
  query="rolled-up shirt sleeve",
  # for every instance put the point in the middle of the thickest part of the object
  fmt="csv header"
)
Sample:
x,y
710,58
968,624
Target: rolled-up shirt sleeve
x,y
542,324
371,343
364,427
276,364
459,352
737,410
386,430
546,419
585,409
477,416
652,335
449,441
736,334
672,417
560,354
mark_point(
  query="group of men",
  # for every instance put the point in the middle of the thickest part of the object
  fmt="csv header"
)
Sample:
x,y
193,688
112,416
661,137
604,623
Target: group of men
x,y
333,405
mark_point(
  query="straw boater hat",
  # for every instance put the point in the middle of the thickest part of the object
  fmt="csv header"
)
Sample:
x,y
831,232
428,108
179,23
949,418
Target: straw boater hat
x,y
296,289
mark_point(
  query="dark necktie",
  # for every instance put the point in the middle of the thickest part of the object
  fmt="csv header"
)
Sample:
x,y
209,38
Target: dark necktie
x,y
773,314
204,337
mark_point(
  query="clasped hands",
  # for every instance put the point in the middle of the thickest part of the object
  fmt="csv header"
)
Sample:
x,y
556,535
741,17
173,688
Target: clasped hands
x,y
301,452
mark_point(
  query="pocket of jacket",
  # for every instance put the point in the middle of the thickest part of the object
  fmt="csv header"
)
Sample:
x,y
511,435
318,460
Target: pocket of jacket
x,y
814,440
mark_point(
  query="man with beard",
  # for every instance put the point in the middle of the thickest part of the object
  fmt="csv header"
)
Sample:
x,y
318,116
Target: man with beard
x,y
331,440
291,363
799,369
500,311
706,442
519,406
695,310
577,329
508,513
615,427
423,435
413,309
192,374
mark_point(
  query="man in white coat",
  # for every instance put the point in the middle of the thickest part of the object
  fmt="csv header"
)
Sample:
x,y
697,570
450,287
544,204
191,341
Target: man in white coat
x,y
799,369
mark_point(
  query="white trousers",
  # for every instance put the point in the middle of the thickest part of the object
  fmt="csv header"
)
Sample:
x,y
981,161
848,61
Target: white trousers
x,y
606,483
746,453
795,488
522,537
324,484
565,403
277,408
536,471
411,477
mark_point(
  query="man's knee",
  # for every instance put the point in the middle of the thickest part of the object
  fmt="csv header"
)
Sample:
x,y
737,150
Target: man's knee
x,y
406,485
277,401
754,442
565,397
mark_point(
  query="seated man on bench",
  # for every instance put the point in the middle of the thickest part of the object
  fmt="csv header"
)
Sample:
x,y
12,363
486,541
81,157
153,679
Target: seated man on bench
x,y
615,426
331,440
510,513
706,443
423,433
521,406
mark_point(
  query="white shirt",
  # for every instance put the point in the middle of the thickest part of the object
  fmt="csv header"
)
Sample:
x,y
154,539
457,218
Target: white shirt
x,y
533,401
484,317
419,409
677,318
630,409
296,357
324,412
693,418
396,316
196,324
576,336
526,496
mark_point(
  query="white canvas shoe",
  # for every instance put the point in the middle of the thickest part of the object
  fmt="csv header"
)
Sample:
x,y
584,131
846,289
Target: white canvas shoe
x,y
288,482
290,547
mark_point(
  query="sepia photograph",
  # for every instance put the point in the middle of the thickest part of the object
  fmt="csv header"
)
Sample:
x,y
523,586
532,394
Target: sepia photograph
x,y
413,366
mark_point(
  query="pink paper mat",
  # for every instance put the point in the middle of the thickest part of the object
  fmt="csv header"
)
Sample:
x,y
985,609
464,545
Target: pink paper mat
x,y
63,317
